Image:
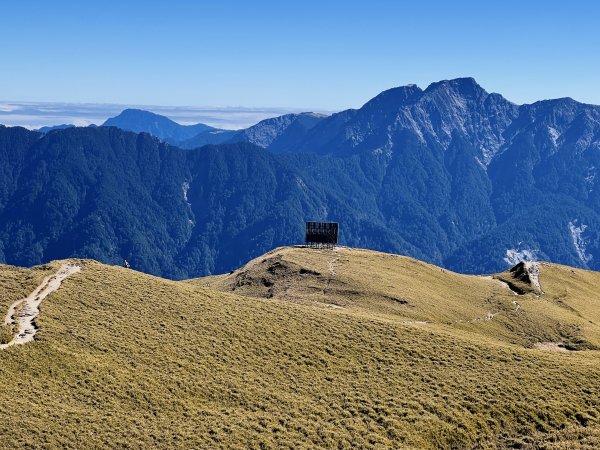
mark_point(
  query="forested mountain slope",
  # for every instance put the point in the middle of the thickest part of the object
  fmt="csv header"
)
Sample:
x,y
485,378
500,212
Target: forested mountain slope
x,y
451,174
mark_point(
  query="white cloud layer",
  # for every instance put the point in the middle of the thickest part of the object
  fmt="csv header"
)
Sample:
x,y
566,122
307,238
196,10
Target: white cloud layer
x,y
35,115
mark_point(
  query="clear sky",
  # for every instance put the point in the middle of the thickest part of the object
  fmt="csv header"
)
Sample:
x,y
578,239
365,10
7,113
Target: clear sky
x,y
319,55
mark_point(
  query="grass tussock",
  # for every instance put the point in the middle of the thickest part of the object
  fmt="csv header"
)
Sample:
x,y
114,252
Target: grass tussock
x,y
124,359
6,333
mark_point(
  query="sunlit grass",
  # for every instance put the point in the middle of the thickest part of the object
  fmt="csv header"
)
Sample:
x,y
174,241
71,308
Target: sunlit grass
x,y
126,359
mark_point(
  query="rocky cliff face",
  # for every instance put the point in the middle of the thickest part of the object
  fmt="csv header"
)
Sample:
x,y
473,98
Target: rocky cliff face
x,y
433,116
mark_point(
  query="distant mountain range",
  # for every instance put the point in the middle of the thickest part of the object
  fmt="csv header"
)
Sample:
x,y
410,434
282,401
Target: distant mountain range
x,y
55,127
451,174
281,133
138,121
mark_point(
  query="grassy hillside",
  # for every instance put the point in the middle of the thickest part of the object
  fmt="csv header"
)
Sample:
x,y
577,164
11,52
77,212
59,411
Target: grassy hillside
x,y
406,291
304,349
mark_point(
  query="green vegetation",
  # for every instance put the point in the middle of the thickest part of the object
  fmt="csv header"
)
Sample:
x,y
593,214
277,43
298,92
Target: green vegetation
x,y
304,349
107,194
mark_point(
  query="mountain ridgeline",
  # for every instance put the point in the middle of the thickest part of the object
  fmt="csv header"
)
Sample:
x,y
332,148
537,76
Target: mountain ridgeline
x,y
278,133
138,121
451,174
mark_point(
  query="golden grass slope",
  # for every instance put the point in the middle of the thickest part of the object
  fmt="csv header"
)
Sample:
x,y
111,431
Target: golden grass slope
x,y
405,290
124,359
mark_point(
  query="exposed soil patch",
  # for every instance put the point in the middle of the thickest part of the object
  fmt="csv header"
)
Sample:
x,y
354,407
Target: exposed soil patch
x,y
552,346
274,276
22,313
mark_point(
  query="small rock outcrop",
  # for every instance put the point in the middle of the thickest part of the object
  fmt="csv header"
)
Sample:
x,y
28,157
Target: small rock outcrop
x,y
523,278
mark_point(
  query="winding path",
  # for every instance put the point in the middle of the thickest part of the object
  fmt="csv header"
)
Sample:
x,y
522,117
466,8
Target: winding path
x,y
22,313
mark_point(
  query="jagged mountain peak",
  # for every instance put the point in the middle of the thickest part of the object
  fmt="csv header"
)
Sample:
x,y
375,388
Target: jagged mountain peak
x,y
556,115
451,174
561,101
433,117
565,105
411,93
396,96
466,86
288,118
279,133
463,94
312,114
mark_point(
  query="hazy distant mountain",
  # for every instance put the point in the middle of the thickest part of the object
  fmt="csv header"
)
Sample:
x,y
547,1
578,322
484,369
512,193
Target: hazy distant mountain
x,y
138,121
55,127
209,137
283,133
450,174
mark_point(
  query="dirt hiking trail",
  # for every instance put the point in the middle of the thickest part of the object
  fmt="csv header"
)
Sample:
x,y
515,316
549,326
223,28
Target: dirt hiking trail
x,y
22,313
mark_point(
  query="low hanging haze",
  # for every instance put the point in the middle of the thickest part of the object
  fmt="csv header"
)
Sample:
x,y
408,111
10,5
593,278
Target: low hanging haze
x,y
232,63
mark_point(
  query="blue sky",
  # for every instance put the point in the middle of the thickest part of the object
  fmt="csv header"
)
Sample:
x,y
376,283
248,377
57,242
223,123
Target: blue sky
x,y
318,55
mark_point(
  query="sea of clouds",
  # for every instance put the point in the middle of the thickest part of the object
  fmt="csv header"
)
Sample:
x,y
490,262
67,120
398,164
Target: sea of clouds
x,y
34,115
